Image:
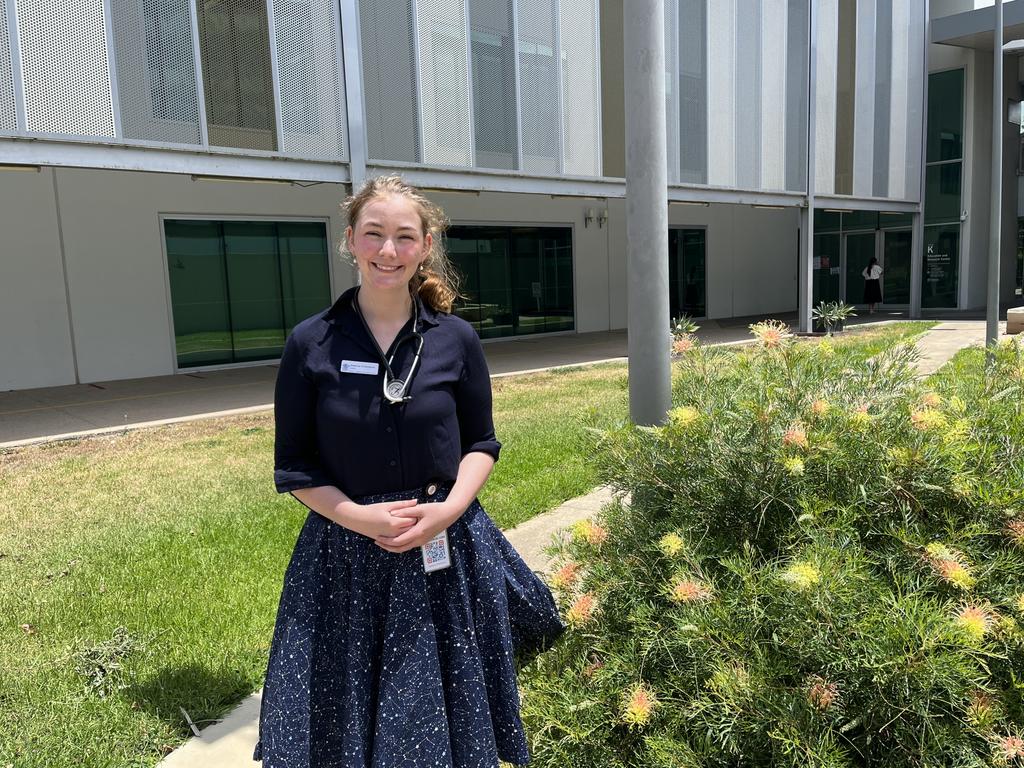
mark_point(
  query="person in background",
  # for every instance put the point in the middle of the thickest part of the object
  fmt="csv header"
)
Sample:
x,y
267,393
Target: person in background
x,y
872,284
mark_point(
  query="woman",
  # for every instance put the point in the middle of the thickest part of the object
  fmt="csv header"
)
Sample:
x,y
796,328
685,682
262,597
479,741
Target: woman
x,y
404,608
872,284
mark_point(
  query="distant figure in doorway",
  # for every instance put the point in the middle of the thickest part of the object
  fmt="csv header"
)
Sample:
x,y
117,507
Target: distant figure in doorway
x,y
872,284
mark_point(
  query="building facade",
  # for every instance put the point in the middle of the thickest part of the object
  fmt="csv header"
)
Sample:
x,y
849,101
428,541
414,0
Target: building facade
x,y
170,170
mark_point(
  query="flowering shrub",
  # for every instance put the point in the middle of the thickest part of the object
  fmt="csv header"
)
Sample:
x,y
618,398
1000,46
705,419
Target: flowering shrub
x,y
822,564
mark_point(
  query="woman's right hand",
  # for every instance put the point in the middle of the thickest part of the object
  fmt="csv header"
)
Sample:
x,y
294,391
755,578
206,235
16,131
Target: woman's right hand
x,y
373,520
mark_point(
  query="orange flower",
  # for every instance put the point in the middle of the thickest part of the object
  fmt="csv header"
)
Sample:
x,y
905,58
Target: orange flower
x,y
795,436
1015,530
566,576
683,344
975,621
1010,748
820,407
582,611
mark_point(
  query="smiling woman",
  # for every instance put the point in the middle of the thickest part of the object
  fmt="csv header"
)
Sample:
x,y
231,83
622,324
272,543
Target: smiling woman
x,y
404,607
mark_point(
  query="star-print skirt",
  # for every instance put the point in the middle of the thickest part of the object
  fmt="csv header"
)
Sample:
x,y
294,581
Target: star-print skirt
x,y
376,664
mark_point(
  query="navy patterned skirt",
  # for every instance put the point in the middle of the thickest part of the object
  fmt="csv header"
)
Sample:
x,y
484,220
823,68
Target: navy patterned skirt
x,y
376,664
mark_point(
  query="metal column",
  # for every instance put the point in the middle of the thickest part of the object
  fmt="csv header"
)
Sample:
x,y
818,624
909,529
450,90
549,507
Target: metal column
x,y
646,211
996,201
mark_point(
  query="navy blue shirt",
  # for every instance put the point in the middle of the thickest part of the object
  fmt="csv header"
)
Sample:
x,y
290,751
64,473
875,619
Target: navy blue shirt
x,y
335,428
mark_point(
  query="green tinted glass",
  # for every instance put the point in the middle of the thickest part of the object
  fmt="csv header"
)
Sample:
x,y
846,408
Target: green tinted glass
x,y
945,115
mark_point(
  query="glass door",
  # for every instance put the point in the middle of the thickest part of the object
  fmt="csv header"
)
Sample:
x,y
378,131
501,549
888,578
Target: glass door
x,y
860,247
896,267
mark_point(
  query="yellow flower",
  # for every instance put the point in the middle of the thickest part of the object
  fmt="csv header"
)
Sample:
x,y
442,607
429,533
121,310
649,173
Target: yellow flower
x,y
683,416
671,544
923,419
689,591
860,418
1020,603
590,532
825,348
975,621
795,436
955,573
638,705
800,576
939,551
957,404
582,611
820,407
794,466
931,400
956,432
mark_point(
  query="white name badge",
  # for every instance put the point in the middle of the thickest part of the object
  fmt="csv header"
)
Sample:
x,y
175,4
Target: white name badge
x,y
358,366
435,553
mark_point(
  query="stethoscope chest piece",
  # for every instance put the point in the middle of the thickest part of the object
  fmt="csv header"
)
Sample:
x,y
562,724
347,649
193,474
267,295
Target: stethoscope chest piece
x,y
395,389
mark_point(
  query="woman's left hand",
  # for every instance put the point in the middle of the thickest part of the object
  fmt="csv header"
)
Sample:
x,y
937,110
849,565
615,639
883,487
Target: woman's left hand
x,y
434,517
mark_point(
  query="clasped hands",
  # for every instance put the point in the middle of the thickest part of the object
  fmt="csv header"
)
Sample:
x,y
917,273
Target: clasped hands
x,y
398,526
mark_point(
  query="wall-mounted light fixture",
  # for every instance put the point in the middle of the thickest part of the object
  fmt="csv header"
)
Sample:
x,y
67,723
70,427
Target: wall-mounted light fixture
x,y
602,217
589,216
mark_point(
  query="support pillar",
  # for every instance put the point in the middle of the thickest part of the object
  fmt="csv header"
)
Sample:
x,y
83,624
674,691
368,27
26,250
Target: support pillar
x,y
996,200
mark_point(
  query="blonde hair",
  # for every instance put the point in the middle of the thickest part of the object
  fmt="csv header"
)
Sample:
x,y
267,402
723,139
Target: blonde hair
x,y
436,281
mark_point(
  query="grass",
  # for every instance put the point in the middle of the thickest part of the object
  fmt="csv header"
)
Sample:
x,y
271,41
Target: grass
x,y
140,572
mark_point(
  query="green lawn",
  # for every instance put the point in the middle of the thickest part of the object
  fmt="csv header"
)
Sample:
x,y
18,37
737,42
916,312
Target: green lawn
x,y
176,534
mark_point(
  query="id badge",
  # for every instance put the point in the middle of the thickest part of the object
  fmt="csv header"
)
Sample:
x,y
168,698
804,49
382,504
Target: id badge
x,y
435,553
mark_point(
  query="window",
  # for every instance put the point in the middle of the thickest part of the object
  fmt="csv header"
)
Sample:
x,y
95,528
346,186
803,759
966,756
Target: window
x,y
518,280
239,287
687,273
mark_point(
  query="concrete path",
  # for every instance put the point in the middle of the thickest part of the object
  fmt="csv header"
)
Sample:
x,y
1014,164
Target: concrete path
x,y
230,742
942,342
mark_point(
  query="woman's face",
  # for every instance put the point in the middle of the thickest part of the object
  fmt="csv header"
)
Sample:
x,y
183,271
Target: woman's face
x,y
388,242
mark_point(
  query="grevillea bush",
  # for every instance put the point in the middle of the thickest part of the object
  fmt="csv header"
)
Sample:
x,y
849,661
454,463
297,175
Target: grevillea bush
x,y
821,564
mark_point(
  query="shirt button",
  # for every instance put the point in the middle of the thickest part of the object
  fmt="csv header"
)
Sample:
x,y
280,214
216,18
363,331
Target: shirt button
x,y
388,429
392,463
431,489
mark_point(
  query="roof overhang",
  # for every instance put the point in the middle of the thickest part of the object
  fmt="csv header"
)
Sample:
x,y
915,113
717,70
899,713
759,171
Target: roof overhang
x,y
973,29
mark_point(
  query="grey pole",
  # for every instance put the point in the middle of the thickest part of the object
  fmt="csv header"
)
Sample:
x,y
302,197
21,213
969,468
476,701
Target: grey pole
x,y
646,211
805,282
996,202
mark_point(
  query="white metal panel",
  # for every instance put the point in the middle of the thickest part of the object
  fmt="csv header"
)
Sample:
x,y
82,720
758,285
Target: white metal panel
x,y
773,94
445,113
64,67
722,93
915,100
864,101
538,85
8,110
826,69
581,87
899,110
308,42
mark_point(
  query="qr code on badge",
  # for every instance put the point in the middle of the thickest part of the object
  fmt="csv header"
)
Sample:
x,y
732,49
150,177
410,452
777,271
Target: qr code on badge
x,y
435,551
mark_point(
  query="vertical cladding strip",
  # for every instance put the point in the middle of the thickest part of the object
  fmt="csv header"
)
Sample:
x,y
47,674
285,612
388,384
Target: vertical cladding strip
x,y
747,106
115,105
672,91
864,101
516,78
899,112
915,100
846,67
273,42
310,81
68,95
8,105
692,73
538,85
883,81
827,13
443,44
721,93
773,94
559,87
797,76
581,91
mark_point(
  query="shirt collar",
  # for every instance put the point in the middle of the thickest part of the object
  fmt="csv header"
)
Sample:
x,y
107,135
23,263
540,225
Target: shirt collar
x,y
343,314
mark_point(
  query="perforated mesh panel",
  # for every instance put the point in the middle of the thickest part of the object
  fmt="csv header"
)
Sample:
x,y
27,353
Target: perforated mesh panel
x,y
386,32
538,85
156,75
899,99
722,93
825,96
494,83
581,87
444,82
8,115
64,67
772,138
312,90
235,46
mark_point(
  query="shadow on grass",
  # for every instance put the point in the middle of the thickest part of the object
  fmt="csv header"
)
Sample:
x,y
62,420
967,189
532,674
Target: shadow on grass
x,y
207,695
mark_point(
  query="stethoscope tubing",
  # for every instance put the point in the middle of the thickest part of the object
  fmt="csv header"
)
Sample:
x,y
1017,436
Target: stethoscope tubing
x,y
389,375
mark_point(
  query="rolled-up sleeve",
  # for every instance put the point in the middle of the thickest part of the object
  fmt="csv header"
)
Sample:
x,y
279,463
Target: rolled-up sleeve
x,y
296,456
473,401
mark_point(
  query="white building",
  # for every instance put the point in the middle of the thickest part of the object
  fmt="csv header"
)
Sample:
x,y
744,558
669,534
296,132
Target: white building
x,y
170,171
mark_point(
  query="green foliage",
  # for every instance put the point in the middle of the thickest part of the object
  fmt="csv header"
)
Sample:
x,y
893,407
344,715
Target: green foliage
x,y
821,564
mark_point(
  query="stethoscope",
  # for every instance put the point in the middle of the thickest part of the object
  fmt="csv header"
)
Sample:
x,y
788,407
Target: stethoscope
x,y
395,389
